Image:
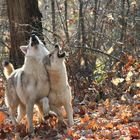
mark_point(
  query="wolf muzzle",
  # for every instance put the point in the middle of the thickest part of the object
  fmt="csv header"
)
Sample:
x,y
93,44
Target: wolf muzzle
x,y
34,40
60,53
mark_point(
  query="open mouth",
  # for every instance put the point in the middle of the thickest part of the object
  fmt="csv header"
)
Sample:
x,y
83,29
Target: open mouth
x,y
58,51
61,54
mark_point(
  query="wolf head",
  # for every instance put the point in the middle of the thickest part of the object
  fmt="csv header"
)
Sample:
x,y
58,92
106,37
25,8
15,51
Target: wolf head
x,y
35,49
55,58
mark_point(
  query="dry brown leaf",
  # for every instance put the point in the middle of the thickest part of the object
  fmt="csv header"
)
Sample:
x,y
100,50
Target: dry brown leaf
x,y
92,125
119,126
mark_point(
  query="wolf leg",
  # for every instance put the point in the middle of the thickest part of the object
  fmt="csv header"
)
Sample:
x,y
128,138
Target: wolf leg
x,y
43,107
13,113
40,109
29,112
21,112
69,110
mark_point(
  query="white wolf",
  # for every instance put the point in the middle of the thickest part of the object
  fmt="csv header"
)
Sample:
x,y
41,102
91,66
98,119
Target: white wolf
x,y
60,93
28,85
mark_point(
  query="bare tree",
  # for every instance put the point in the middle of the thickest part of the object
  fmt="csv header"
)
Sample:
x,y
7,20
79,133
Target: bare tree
x,y
81,22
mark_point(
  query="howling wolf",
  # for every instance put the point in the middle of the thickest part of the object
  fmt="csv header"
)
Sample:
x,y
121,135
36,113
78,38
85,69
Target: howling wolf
x,y
28,85
60,92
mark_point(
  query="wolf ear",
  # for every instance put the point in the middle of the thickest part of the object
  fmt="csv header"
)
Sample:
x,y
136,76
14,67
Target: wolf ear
x,y
23,49
57,47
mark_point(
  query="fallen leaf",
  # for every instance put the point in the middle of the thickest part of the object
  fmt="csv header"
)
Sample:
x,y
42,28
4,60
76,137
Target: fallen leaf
x,y
117,80
119,126
69,132
92,125
109,126
85,119
110,17
129,76
135,132
2,117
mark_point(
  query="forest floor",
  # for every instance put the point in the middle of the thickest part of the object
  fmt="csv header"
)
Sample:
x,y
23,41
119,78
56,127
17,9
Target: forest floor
x,y
117,118
106,111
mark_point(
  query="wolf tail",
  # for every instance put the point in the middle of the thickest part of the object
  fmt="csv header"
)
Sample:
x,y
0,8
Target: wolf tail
x,y
8,68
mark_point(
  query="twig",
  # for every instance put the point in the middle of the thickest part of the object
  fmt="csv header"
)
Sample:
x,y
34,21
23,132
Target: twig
x,y
99,51
4,44
62,21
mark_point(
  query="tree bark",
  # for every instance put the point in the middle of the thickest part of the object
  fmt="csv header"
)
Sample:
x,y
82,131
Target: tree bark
x,y
95,23
53,20
137,19
123,23
24,17
66,23
81,22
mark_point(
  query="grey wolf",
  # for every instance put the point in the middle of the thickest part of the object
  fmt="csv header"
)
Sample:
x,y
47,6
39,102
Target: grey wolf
x,y
29,84
8,69
60,92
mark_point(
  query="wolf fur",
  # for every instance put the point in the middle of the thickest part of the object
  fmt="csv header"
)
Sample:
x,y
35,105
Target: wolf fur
x,y
27,85
8,68
44,103
60,93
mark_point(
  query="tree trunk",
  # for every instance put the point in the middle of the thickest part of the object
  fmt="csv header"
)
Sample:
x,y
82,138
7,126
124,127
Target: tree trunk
x,y
95,23
137,19
123,23
24,17
81,21
53,20
66,23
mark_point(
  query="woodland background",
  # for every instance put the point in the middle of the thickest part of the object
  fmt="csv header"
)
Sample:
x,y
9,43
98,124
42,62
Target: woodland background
x,y
102,38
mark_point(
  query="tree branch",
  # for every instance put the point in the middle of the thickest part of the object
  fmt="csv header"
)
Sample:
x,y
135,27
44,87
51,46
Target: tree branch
x,y
99,51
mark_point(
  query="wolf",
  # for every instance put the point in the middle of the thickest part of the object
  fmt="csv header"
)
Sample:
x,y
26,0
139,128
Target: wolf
x,y
8,68
29,84
60,92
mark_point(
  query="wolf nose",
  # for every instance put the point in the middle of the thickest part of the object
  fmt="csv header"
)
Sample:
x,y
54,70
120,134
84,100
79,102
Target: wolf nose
x,y
33,37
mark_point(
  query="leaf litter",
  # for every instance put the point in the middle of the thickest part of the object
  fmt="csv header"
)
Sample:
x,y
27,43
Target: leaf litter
x,y
115,115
